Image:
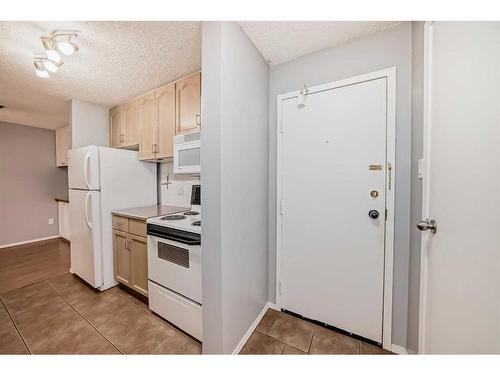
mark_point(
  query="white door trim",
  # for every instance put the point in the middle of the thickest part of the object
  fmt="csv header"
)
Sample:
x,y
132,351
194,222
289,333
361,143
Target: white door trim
x,y
427,127
390,75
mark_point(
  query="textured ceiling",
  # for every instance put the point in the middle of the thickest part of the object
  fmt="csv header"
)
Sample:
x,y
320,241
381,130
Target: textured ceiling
x,y
120,60
117,61
284,41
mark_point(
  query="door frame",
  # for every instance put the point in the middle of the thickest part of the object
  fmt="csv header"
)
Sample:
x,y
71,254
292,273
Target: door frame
x,y
427,128
390,75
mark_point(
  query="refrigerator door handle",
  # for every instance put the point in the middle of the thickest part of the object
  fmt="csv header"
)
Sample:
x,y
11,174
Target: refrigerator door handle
x,y
87,200
85,168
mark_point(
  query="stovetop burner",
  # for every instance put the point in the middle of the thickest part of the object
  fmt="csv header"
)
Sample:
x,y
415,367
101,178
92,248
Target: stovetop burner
x,y
191,213
174,217
197,223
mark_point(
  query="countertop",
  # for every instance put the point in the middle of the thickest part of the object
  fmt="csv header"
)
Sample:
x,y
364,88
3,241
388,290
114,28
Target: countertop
x,y
144,213
62,199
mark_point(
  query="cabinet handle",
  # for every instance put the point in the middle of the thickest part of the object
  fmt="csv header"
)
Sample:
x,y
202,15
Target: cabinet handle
x,y
198,120
129,243
153,148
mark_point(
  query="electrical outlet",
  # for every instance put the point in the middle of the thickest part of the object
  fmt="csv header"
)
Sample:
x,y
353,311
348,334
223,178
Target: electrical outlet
x,y
51,220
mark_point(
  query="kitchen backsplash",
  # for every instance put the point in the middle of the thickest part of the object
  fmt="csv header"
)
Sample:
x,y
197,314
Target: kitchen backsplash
x,y
175,189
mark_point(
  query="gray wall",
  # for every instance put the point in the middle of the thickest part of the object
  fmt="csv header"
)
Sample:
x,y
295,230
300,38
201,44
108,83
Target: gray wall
x,y
385,49
234,184
416,184
29,182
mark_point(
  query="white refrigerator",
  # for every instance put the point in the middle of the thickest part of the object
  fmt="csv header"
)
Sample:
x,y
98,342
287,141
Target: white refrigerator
x,y
102,180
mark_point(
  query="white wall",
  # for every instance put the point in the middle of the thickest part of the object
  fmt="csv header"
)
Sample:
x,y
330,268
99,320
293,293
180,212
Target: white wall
x,y
234,161
89,124
417,99
382,50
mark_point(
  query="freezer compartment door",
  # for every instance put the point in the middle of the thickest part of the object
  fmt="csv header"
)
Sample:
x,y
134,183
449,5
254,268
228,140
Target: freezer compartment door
x,y
83,168
85,232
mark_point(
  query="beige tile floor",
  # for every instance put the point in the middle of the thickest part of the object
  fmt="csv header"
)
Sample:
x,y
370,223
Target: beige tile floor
x,y
281,333
63,315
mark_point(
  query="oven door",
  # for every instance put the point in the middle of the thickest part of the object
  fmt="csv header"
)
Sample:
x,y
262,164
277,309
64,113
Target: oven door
x,y
176,266
187,157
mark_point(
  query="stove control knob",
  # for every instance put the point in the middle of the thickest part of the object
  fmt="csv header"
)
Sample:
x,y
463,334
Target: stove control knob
x,y
373,214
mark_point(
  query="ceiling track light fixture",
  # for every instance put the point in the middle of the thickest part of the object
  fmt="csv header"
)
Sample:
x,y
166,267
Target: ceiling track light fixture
x,y
55,45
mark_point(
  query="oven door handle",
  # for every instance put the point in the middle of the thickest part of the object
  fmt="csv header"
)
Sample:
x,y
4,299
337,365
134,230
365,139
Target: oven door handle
x,y
176,239
181,240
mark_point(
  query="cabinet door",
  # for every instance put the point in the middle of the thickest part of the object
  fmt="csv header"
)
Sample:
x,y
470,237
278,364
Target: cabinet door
x,y
165,109
147,117
116,126
59,137
63,142
131,123
188,104
139,248
123,257
65,145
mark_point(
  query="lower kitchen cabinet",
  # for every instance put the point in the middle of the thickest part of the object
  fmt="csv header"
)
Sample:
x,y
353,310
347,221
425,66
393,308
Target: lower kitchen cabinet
x,y
122,257
130,253
139,247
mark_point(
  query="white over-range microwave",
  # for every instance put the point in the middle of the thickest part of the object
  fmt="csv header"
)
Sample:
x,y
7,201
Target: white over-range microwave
x,y
187,153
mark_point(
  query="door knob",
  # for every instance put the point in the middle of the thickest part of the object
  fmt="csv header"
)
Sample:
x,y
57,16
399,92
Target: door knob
x,y
373,214
429,224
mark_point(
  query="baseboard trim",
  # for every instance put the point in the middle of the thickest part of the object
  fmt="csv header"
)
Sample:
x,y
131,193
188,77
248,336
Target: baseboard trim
x,y
27,242
398,349
250,330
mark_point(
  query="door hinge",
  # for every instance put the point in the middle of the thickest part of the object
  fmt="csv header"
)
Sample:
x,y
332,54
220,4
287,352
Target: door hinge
x,y
386,214
281,127
281,208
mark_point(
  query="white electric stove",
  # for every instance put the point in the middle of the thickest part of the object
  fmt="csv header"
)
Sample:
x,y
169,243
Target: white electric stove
x,y
174,266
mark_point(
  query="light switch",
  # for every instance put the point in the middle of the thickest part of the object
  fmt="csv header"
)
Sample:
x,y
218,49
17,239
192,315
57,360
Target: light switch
x,y
51,220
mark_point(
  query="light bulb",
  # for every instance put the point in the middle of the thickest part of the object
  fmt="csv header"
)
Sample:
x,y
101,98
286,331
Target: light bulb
x,y
66,47
40,70
53,55
51,66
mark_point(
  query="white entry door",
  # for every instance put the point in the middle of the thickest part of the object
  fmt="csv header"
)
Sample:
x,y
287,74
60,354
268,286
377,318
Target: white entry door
x,y
460,273
332,187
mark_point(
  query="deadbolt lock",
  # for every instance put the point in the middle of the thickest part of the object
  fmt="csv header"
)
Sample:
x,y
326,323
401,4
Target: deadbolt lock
x,y
374,193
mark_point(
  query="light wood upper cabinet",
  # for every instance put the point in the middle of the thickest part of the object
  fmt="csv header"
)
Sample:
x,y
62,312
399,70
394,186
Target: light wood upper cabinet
x,y
131,125
147,119
116,126
150,122
63,145
165,109
124,125
188,104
